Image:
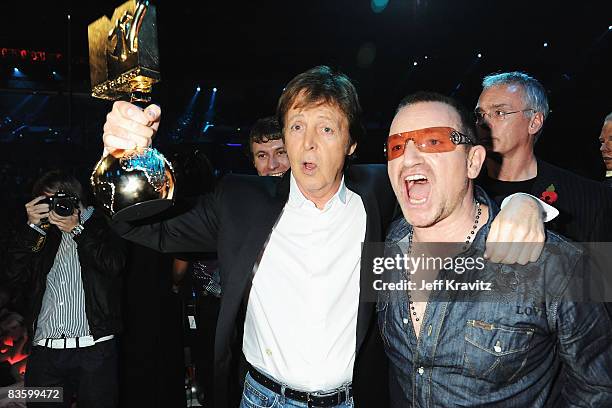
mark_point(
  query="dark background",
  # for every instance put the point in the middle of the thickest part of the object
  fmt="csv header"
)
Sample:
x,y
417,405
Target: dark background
x,y
250,50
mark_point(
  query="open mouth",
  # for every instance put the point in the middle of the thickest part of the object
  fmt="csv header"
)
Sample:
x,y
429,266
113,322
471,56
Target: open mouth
x,y
276,174
418,188
309,167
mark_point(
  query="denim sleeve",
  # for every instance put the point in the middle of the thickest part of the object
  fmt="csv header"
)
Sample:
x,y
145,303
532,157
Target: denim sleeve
x,y
585,346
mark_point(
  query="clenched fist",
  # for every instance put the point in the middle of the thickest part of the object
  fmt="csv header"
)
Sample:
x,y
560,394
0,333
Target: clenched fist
x,y
129,127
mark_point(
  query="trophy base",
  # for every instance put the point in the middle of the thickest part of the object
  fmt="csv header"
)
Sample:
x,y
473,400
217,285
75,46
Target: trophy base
x,y
142,210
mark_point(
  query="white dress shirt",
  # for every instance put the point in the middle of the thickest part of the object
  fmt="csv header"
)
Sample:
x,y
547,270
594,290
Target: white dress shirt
x,y
301,318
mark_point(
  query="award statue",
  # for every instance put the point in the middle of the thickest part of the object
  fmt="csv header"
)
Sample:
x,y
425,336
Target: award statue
x,y
124,64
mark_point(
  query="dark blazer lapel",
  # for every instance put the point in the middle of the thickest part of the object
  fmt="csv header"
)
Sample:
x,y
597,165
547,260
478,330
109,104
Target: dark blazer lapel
x,y
547,176
373,234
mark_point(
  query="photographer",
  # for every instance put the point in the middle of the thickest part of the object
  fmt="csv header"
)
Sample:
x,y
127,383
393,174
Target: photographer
x,y
66,262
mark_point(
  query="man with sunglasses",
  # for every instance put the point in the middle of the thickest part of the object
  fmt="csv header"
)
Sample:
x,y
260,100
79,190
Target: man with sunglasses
x,y
511,111
476,334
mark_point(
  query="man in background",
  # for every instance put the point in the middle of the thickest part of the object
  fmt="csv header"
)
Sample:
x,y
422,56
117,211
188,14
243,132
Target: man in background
x,y
605,138
68,266
511,112
267,149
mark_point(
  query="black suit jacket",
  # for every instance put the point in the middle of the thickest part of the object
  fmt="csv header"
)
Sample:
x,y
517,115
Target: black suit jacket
x,y
236,220
585,206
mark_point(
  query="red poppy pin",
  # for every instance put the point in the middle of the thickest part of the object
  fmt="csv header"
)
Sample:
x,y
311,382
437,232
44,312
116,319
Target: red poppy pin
x,y
549,196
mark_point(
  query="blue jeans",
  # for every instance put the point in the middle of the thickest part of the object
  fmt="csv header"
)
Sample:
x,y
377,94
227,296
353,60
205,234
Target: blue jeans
x,y
256,395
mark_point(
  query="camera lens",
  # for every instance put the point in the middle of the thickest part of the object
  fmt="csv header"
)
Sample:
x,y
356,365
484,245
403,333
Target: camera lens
x,y
63,207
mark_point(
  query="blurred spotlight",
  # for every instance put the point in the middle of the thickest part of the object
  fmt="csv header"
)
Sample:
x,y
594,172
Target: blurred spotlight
x,y
17,73
415,63
198,89
366,55
545,44
426,57
479,55
214,89
378,5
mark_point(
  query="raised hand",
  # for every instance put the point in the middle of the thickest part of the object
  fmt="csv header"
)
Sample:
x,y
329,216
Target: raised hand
x,y
129,127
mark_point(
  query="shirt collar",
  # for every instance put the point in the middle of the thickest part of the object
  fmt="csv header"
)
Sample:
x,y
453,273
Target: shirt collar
x,y
297,198
609,173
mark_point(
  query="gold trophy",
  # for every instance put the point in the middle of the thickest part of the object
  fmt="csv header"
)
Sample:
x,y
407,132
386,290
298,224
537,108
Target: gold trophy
x,y
124,64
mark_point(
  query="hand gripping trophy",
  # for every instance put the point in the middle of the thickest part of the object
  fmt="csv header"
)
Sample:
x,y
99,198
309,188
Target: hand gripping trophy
x,y
124,64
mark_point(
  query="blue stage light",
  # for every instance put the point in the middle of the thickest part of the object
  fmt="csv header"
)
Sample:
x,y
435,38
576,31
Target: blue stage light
x,y
378,5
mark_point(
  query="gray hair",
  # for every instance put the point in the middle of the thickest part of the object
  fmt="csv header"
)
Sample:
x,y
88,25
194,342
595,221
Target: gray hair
x,y
608,118
534,93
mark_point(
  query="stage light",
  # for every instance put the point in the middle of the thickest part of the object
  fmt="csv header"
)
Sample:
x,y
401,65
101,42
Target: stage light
x,y
610,27
426,57
545,44
415,63
214,89
378,5
479,55
198,89
54,73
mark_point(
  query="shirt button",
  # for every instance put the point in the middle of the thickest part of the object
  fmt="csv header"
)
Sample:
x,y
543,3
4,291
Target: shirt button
x,y
421,370
405,321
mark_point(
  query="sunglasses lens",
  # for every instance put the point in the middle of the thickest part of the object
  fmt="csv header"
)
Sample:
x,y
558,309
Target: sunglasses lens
x,y
436,144
431,140
395,147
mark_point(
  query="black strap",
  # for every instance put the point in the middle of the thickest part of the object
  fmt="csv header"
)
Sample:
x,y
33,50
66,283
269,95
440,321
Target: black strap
x,y
313,400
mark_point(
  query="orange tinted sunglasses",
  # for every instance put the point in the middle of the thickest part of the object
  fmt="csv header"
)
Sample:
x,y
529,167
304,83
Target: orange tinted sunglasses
x,y
428,140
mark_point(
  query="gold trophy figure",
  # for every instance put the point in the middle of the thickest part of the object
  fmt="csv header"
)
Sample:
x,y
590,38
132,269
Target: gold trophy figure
x,y
124,64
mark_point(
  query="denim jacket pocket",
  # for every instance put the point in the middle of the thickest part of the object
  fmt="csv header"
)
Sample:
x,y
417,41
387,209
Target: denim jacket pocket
x,y
495,353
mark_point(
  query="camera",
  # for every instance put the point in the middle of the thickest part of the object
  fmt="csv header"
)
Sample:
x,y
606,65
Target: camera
x,y
62,203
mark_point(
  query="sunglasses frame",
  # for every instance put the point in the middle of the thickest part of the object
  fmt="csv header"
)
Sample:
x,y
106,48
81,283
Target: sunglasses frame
x,y
454,136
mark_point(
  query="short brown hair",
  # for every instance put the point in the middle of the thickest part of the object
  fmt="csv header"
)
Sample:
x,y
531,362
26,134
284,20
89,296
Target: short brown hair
x,y
264,130
323,84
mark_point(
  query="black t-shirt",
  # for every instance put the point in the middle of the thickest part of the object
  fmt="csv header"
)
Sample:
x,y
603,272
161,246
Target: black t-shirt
x,y
498,190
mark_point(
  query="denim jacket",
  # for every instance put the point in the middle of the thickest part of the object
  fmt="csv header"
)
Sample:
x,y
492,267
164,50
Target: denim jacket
x,y
478,349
